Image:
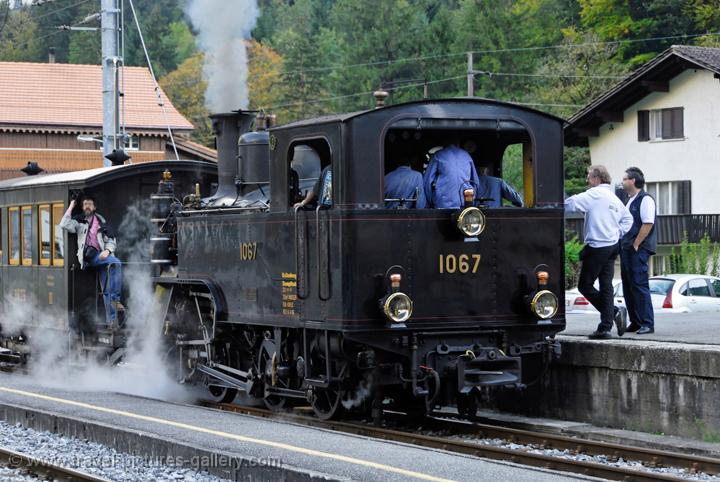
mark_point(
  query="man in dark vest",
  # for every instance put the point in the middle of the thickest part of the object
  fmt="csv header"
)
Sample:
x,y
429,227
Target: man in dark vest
x,y
638,245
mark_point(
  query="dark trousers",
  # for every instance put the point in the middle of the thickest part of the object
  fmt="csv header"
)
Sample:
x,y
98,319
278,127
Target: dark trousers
x,y
112,285
636,287
599,264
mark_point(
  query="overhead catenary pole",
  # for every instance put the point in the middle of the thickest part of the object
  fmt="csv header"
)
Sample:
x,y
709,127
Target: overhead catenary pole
x,y
470,76
111,61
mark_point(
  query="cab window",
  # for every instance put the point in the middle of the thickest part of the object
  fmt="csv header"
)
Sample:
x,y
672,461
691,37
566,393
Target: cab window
x,y
14,235
45,234
499,152
26,229
308,161
58,246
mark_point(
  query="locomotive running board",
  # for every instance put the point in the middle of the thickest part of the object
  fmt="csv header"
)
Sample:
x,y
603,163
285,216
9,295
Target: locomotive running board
x,y
478,372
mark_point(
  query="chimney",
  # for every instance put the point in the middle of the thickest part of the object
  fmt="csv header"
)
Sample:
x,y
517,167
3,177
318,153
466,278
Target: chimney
x,y
51,55
380,96
32,169
228,127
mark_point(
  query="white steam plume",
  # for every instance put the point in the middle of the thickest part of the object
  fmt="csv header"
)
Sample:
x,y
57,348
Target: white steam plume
x,y
223,26
143,370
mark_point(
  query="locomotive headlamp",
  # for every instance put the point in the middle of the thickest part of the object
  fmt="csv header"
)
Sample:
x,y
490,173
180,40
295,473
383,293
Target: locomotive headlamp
x,y
398,307
544,304
471,221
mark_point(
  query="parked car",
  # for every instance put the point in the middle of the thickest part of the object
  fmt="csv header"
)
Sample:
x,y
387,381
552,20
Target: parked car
x,y
682,293
575,302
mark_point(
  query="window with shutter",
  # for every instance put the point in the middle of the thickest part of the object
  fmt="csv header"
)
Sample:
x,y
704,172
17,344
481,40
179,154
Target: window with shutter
x,y
671,197
660,124
643,125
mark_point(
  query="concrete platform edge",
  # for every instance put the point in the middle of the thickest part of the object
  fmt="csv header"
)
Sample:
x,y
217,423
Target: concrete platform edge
x,y
234,467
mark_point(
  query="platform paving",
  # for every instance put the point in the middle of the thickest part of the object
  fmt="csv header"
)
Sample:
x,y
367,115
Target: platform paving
x,y
141,425
703,328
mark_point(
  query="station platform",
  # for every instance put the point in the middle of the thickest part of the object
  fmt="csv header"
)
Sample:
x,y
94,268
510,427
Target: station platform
x,y
701,328
153,428
667,382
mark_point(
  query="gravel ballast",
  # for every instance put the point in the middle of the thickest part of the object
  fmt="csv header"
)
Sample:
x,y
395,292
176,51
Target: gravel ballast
x,y
93,458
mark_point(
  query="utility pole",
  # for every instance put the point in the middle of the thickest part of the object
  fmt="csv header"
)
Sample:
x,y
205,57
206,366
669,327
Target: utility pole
x,y
470,76
111,62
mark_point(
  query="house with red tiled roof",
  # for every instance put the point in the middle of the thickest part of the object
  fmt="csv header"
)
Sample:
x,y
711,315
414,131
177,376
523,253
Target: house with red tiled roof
x,y
44,107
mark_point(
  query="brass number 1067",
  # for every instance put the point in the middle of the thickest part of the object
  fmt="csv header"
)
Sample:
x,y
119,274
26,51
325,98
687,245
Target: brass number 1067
x,y
248,251
449,263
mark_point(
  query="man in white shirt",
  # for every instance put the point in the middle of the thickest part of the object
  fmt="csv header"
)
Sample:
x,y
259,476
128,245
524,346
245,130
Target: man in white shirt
x,y
606,221
637,245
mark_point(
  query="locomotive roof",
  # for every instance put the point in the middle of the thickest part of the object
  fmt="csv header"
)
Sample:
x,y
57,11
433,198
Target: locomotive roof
x,y
344,117
90,176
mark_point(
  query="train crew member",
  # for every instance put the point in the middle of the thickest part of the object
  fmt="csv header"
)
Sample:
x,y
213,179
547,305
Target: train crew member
x,y
96,245
406,184
322,190
495,189
450,172
637,246
606,220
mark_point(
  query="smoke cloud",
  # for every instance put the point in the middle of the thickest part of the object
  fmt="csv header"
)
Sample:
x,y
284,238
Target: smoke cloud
x,y
143,369
222,27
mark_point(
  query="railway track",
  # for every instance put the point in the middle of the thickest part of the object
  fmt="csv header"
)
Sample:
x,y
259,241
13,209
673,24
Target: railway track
x,y
648,457
44,469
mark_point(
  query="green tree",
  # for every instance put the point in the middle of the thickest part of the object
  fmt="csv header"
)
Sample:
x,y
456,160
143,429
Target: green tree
x,y
19,40
185,87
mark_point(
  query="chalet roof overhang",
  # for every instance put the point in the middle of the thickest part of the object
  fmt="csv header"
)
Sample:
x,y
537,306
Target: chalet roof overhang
x,y
654,76
151,131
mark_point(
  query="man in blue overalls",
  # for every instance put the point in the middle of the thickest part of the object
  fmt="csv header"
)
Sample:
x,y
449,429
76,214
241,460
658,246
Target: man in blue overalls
x,y
450,172
637,246
405,184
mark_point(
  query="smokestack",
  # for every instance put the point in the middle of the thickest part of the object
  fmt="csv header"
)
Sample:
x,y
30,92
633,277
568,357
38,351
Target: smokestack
x,y
228,127
51,55
380,96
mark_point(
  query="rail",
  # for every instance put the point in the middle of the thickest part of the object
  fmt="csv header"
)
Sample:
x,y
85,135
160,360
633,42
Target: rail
x,y
670,228
649,457
44,468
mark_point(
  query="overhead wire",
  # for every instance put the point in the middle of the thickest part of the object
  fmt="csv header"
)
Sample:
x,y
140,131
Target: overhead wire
x,y
407,86
160,100
60,9
492,51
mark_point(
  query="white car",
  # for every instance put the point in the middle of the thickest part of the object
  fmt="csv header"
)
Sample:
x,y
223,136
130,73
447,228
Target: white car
x,y
577,303
685,293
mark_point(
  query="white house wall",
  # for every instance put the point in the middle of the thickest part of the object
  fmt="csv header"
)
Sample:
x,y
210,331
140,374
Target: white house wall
x,y
695,158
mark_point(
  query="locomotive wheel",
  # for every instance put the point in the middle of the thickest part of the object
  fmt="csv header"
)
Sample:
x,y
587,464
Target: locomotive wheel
x,y
268,359
327,402
219,393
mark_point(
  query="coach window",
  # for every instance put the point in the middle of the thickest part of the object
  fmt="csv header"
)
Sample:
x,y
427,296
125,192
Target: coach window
x,y
45,234
14,236
306,161
58,247
26,229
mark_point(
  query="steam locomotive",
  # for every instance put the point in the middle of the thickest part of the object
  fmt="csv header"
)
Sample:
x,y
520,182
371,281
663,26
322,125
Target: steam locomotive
x,y
352,306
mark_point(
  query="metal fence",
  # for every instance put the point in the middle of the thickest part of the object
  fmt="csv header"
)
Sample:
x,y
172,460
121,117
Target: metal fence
x,y
670,228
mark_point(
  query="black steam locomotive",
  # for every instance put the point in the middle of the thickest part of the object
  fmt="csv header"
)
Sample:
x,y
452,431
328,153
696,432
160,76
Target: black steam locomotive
x,y
349,305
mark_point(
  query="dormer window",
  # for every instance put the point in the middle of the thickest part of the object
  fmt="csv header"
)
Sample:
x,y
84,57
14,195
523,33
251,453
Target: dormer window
x,y
660,124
